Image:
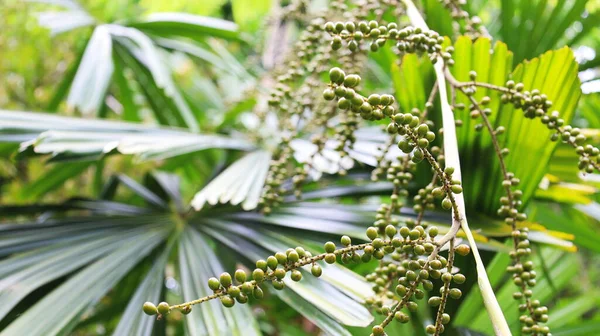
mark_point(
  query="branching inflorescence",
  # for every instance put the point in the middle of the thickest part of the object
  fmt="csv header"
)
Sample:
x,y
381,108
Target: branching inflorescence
x,y
407,252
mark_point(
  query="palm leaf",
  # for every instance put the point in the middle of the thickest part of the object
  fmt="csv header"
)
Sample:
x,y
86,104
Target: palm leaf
x,y
242,182
94,73
63,21
582,329
555,74
143,49
542,21
134,321
471,313
197,263
188,25
70,299
80,139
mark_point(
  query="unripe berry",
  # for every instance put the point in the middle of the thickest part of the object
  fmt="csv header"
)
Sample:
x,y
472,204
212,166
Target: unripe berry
x,y
328,94
447,277
247,287
456,189
459,278
281,258
227,301
329,247
272,262
163,308
462,249
225,279
186,310
337,75
372,233
149,308
433,232
233,291
330,258
279,273
258,275
447,204
242,298
261,264
214,284
240,276
434,301
455,293
351,81
377,330
258,293
316,270
401,317
296,275
390,231
293,256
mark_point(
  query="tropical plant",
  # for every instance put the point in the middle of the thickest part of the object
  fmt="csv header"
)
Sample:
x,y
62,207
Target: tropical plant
x,y
175,161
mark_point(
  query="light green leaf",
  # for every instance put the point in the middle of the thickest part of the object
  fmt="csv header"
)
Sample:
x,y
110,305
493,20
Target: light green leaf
x,y
561,266
52,179
411,79
188,25
582,329
249,14
573,311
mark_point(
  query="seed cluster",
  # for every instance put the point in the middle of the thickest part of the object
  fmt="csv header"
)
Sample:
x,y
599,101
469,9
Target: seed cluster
x,y
407,40
239,288
400,283
536,105
295,101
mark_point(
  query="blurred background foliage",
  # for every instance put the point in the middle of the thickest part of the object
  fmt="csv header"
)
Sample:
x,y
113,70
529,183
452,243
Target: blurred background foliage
x,y
214,79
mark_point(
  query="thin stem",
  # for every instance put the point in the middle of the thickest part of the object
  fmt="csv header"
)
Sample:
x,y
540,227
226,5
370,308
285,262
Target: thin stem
x,y
507,188
400,304
270,276
438,320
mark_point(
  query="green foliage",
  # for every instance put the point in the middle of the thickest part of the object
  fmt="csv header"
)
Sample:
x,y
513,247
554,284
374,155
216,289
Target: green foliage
x,y
179,142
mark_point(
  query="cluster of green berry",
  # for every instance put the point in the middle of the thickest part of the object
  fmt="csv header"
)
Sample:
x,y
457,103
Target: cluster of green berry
x,y
407,267
400,283
239,288
521,269
375,107
291,95
536,105
407,40
293,99
524,277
